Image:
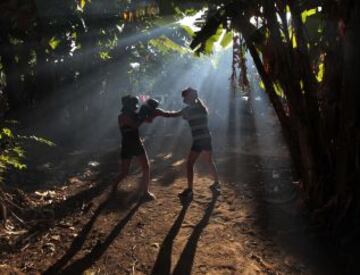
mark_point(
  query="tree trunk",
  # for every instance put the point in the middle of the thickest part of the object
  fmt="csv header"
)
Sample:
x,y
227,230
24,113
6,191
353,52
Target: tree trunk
x,y
348,140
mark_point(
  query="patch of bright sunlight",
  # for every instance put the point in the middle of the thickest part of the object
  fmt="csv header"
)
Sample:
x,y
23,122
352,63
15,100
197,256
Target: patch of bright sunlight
x,y
189,21
256,21
135,65
178,163
168,156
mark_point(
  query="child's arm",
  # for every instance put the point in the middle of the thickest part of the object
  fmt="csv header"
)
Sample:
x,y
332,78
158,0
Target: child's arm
x,y
163,113
159,112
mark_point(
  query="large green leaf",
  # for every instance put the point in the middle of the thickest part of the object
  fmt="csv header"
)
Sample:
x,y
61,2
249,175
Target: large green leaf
x,y
165,45
188,30
227,39
209,44
306,13
6,160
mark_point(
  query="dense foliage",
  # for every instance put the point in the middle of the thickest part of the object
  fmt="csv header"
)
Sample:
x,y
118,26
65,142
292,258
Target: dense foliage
x,y
306,55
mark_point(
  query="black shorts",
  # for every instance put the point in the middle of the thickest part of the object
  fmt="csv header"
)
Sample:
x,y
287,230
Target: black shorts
x,y
130,150
201,145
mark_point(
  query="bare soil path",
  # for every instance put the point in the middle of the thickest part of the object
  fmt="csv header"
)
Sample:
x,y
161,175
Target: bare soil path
x,y
256,225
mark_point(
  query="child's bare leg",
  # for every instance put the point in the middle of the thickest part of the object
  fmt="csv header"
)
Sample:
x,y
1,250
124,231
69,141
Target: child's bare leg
x,y
124,170
210,161
193,156
145,184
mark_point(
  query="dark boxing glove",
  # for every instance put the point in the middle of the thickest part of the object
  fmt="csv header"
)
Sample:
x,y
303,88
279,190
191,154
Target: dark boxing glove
x,y
144,112
147,110
152,103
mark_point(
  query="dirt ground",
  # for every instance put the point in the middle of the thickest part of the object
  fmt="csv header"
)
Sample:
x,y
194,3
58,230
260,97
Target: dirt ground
x,y
256,225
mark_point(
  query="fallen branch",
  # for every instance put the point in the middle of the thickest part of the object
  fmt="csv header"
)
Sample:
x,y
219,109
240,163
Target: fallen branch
x,y
133,267
3,213
21,221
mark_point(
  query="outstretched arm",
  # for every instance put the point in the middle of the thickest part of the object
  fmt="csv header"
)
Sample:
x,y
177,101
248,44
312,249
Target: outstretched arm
x,y
163,113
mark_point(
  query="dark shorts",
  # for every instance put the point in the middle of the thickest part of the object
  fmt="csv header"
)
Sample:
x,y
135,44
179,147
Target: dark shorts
x,y
130,150
201,145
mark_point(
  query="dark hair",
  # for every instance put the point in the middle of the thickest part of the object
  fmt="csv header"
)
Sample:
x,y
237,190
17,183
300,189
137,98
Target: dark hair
x,y
188,90
129,102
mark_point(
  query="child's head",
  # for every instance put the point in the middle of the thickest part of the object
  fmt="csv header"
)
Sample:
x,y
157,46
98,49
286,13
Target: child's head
x,y
129,103
189,95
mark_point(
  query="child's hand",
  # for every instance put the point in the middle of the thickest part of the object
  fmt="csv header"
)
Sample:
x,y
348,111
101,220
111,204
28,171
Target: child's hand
x,y
149,118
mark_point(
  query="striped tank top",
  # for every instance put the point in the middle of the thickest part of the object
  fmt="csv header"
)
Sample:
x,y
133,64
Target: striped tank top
x,y
197,118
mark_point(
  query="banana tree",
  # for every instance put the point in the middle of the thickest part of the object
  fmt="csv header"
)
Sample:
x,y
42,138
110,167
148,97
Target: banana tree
x,y
303,51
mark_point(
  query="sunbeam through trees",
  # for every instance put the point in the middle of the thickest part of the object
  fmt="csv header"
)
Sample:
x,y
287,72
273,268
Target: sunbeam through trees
x,y
251,107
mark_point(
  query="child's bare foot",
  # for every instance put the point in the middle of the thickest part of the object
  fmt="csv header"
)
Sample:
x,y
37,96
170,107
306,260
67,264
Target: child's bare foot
x,y
215,187
148,196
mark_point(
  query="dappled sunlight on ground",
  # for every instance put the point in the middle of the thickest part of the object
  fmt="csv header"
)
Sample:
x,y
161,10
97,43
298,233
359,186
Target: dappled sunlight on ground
x,y
244,230
255,226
